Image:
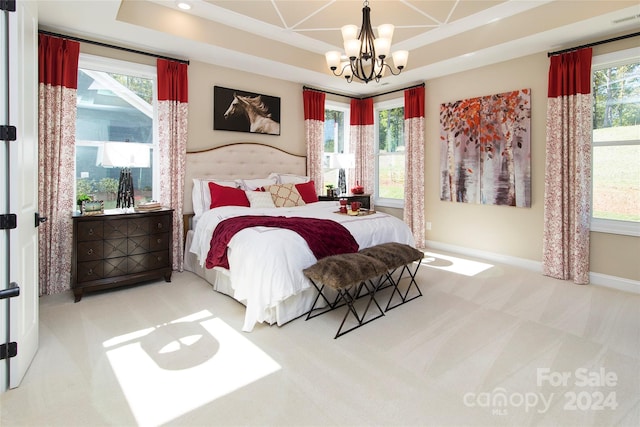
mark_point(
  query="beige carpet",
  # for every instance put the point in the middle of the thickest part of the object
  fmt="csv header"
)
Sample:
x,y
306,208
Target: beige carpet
x,y
487,345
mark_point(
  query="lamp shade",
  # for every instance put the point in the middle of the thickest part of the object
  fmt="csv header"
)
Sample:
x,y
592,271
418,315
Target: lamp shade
x,y
385,31
349,32
333,58
124,155
400,58
382,46
342,161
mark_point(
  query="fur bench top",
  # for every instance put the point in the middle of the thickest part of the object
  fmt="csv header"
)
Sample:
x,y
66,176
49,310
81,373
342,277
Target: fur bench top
x,y
344,270
393,255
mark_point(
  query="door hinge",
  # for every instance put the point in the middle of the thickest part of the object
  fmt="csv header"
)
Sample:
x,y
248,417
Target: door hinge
x,y
8,5
8,221
8,132
8,350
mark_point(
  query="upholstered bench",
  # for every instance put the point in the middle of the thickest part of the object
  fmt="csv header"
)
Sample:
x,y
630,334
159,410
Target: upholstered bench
x,y
394,256
347,274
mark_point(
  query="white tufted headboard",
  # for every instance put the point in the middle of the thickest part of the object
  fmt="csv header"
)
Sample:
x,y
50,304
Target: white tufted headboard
x,y
239,160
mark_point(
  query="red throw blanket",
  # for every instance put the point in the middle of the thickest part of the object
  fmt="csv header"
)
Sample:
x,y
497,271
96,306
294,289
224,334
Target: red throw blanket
x,y
324,237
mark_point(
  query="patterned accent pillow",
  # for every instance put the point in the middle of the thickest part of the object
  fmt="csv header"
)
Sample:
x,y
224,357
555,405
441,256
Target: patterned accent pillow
x,y
260,199
285,195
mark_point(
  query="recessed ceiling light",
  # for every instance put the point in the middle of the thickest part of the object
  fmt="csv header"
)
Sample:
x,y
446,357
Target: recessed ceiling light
x,y
184,5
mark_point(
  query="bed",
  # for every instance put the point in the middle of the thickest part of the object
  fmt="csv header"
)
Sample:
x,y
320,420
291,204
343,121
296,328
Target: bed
x,y
264,263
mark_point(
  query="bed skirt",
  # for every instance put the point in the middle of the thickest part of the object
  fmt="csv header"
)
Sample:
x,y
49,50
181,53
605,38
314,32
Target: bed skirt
x,y
287,310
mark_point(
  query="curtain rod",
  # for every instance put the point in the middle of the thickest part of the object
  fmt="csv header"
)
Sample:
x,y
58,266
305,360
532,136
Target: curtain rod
x,y
126,49
363,97
614,39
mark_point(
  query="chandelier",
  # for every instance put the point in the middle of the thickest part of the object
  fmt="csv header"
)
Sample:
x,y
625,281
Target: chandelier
x,y
368,55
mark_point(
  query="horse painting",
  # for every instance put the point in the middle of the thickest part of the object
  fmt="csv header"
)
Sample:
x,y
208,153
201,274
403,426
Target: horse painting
x,y
255,110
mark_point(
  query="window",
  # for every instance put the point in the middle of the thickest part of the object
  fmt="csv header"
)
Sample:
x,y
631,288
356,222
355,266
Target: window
x,y
389,152
616,143
336,160
115,128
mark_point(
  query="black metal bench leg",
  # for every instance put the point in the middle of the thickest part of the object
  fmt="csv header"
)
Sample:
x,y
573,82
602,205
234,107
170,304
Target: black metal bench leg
x,y
351,299
412,283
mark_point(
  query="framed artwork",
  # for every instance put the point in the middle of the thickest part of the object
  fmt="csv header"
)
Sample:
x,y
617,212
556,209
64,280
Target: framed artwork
x,y
92,207
485,149
242,111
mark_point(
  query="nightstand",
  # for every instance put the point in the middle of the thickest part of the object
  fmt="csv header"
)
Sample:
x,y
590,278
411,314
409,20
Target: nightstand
x,y
118,249
365,199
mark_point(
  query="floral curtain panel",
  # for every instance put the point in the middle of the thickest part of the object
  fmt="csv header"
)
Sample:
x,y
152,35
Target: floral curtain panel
x,y
414,163
57,86
567,198
362,144
314,134
173,93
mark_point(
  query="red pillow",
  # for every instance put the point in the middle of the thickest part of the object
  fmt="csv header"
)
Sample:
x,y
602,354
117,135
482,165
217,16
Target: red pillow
x,y
307,191
227,196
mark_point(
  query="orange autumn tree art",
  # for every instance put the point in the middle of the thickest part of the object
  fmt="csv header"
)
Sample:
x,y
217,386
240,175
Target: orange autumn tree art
x,y
485,154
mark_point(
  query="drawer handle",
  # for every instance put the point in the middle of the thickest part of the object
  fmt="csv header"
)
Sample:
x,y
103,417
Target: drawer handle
x,y
90,252
159,258
159,240
90,272
91,232
159,225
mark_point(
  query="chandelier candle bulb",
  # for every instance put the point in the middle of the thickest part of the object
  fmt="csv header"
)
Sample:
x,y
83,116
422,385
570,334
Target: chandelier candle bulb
x,y
382,47
333,59
349,32
352,48
385,31
400,58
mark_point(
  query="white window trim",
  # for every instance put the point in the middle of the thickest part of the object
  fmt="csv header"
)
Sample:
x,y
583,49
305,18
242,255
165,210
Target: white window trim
x,y
100,63
614,226
345,108
380,201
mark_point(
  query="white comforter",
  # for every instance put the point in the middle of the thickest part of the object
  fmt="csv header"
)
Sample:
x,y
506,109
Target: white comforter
x,y
265,264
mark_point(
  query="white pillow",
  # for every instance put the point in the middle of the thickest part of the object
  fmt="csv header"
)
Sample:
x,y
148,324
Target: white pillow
x,y
252,184
289,178
260,199
201,195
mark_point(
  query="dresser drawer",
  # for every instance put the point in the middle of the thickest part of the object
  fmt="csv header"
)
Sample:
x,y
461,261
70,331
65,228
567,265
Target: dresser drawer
x,y
159,259
138,245
159,242
115,267
90,250
90,230
114,248
150,261
138,226
116,229
160,224
88,271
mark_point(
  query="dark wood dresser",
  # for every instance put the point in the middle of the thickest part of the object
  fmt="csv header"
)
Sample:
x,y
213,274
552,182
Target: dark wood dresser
x,y
116,249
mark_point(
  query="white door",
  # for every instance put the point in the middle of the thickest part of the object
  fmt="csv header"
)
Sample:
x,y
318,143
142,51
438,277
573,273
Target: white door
x,y
23,188
4,205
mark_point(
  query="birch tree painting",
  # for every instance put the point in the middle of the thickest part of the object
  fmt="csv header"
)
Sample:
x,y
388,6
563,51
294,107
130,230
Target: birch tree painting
x,y
485,154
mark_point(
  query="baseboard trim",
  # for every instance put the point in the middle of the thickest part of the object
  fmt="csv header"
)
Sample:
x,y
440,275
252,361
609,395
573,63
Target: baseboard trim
x,y
614,282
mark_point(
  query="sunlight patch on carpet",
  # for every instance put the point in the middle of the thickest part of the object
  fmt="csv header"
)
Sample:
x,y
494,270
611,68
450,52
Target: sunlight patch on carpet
x,y
171,369
454,264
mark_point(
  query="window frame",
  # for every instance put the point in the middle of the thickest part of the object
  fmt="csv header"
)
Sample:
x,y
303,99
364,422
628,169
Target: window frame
x,y
383,201
345,108
116,66
602,225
